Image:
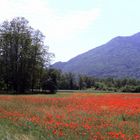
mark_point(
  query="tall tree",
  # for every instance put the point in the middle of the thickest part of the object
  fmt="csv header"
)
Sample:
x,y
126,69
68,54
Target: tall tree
x,y
22,54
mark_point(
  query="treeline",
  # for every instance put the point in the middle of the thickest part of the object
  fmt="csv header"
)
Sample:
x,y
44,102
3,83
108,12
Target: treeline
x,y
70,81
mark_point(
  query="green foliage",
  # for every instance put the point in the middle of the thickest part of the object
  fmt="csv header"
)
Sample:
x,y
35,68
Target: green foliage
x,y
67,81
83,82
137,89
100,86
131,89
50,79
23,55
128,89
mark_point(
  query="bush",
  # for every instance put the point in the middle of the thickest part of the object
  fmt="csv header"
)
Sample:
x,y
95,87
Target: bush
x,y
131,89
137,89
100,86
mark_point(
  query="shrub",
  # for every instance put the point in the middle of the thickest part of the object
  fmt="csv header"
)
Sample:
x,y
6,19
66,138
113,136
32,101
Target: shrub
x,y
131,89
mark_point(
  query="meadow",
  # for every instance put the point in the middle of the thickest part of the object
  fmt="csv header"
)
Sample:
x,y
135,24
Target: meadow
x,y
70,116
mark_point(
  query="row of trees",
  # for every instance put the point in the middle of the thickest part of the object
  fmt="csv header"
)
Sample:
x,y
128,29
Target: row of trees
x,y
70,81
23,56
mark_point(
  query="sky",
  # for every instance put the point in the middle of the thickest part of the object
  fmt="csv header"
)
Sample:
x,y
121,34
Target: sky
x,y
72,27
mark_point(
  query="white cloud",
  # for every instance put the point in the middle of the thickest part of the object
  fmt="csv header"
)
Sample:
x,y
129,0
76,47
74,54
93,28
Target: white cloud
x,y
27,8
65,26
46,19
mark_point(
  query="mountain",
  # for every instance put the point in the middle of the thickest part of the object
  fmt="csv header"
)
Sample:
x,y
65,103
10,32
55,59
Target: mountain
x,y
120,57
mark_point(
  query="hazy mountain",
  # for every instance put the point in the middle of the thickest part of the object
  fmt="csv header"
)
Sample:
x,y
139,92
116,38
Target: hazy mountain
x,y
120,57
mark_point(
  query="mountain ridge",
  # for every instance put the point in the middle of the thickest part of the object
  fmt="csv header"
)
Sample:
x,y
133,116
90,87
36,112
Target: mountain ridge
x,y
117,58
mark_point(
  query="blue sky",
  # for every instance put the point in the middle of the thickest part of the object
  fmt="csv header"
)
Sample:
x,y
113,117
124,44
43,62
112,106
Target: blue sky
x,y
72,27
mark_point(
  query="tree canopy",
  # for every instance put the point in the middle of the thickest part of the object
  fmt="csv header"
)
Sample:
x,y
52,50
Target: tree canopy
x,y
23,55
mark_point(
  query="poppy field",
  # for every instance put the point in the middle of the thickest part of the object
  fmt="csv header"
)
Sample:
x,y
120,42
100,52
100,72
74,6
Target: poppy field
x,y
76,116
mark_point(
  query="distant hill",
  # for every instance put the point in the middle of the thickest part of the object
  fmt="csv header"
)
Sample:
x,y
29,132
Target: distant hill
x,y
120,57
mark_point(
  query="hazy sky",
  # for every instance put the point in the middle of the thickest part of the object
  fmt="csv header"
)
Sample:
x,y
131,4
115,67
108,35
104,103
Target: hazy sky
x,y
72,27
